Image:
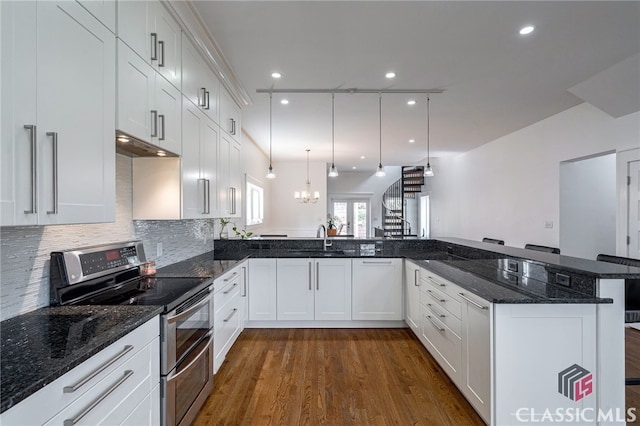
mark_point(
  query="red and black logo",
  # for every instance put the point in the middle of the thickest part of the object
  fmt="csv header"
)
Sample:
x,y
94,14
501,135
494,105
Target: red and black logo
x,y
575,382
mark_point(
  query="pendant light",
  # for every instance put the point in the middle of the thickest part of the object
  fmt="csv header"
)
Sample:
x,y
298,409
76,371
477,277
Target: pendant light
x,y
333,171
428,172
306,195
270,173
380,170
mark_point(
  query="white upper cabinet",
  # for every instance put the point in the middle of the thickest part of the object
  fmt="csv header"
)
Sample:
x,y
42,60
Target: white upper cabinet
x,y
149,108
230,116
199,84
103,10
149,29
70,117
199,159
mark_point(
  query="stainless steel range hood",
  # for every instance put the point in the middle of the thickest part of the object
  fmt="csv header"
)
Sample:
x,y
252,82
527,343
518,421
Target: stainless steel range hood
x,y
132,147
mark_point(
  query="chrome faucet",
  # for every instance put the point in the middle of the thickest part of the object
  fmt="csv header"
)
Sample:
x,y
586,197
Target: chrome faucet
x,y
325,243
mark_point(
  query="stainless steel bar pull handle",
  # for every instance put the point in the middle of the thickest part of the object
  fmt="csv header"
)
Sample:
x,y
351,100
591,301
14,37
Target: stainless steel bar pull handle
x,y
201,100
310,288
207,195
317,276
235,274
415,278
161,118
154,46
440,329
154,123
244,282
230,315
34,169
206,103
232,200
230,289
99,399
477,305
233,126
204,195
54,140
94,373
161,63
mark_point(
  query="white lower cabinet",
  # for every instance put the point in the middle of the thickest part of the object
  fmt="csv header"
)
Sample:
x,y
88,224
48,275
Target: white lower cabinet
x,y
227,320
118,385
262,289
412,296
377,289
314,289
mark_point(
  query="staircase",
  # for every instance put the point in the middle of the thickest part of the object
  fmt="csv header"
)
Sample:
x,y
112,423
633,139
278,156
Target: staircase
x,y
394,223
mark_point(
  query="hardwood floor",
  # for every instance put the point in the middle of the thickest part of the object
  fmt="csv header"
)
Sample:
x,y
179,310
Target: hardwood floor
x,y
632,367
333,377
346,377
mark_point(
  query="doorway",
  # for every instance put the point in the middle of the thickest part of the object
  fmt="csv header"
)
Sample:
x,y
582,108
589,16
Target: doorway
x,y
354,216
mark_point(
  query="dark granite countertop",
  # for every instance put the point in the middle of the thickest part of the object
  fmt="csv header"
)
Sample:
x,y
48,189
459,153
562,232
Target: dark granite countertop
x,y
202,266
37,347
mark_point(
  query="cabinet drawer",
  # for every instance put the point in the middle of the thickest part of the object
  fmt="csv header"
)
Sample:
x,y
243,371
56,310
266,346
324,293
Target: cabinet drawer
x,y
112,399
430,294
446,343
226,288
439,283
227,322
445,317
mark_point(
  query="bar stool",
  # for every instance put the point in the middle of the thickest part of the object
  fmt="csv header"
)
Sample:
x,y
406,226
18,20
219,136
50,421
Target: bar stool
x,y
535,247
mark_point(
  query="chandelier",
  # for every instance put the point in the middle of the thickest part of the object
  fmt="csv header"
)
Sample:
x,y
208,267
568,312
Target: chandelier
x,y
306,195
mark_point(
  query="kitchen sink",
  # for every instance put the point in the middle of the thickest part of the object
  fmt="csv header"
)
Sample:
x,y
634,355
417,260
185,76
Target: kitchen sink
x,y
313,253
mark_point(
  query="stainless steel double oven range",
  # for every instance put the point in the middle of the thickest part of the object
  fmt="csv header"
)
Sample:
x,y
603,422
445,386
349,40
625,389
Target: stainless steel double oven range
x,y
111,275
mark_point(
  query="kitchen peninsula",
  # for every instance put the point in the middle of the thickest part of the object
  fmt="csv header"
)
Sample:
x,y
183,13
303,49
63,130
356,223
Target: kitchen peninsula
x,y
495,318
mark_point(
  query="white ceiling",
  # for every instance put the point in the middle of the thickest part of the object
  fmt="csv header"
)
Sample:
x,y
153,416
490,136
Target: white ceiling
x,y
495,81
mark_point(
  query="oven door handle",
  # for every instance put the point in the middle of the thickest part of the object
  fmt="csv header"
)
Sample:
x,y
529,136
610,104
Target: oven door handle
x,y
189,311
174,376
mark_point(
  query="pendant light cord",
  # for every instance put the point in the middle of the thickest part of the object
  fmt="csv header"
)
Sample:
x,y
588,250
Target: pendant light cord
x,y
333,128
270,127
428,130
380,123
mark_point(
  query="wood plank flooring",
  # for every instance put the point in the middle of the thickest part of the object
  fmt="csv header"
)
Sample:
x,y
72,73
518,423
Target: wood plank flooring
x,y
333,377
346,377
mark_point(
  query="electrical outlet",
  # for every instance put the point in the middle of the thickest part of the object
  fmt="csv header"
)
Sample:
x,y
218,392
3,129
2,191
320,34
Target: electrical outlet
x,y
548,224
159,250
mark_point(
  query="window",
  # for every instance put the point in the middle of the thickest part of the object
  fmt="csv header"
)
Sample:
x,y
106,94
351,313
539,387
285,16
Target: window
x,y
255,202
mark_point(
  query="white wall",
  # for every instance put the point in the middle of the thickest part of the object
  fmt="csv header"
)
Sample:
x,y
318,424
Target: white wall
x,y
508,188
288,215
588,206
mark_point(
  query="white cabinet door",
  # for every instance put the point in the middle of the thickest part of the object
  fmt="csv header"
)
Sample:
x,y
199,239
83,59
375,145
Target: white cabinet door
x,y
244,294
193,188
377,289
295,289
412,296
230,116
262,289
76,120
168,104
153,34
103,10
18,151
74,106
199,84
224,196
476,353
235,180
136,92
169,63
332,289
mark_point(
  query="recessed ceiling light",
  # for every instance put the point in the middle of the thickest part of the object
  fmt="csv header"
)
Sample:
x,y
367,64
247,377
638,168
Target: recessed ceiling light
x,y
276,74
123,139
390,74
161,154
354,167
411,102
412,140
527,30
284,101
362,157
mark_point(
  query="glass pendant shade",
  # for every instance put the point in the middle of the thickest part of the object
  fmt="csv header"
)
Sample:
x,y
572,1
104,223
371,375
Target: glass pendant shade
x,y
270,173
380,171
333,171
428,171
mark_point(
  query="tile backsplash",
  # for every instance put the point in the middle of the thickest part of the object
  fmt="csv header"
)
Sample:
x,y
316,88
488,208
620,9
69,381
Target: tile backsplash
x,y
24,250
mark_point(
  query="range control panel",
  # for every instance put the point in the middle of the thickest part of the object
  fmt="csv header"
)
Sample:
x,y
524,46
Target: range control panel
x,y
99,261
